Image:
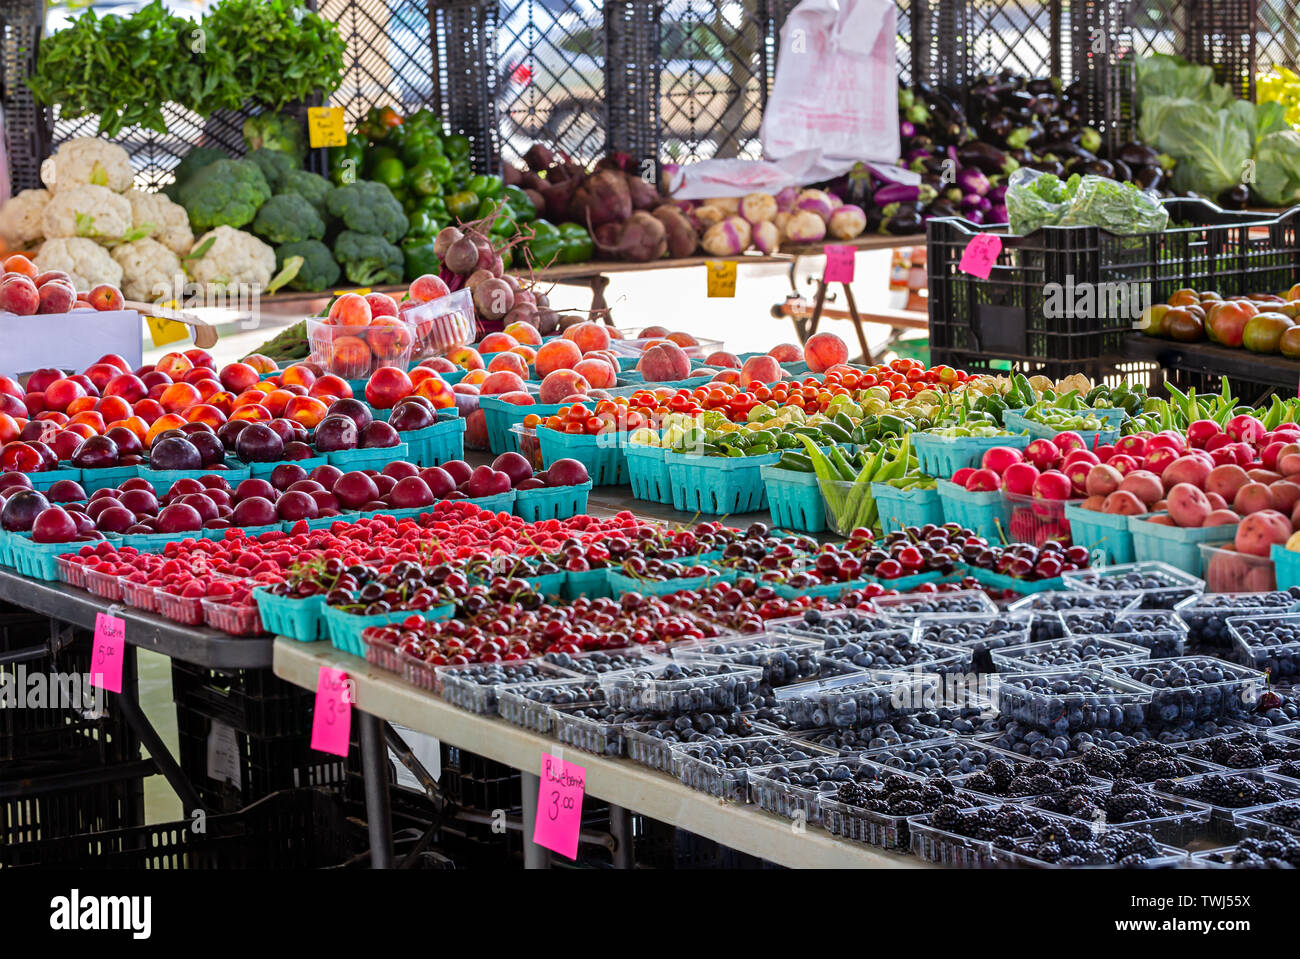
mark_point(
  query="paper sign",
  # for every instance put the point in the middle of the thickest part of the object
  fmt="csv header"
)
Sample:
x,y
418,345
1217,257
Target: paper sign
x,y
108,653
331,723
839,264
722,277
980,255
559,806
325,127
361,292
166,331
224,764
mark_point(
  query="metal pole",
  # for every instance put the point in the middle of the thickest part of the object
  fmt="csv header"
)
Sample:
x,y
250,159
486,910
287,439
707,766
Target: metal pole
x,y
535,856
374,768
620,826
129,703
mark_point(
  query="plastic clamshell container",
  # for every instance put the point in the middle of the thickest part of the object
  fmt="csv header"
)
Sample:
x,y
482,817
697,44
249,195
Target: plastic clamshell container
x,y
936,845
1228,698
1015,420
1163,585
966,601
1160,631
458,687
552,502
354,352
929,657
853,699
974,632
443,324
70,571
987,514
1107,702
794,499
784,658
232,618
718,485
649,750
183,609
899,508
104,585
693,765
1288,788
1037,521
572,728
1105,535
630,657
722,687
1175,545
1228,571
524,440
799,802
1251,648
139,595
1207,615
1254,821
926,759
522,706
1067,651
941,456
1045,606
870,827
647,472
1166,857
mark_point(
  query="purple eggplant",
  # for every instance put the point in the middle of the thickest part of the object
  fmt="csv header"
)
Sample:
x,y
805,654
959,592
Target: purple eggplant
x,y
896,193
997,213
997,194
972,180
906,128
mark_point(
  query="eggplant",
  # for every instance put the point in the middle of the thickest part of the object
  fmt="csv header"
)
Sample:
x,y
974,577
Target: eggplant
x,y
1019,100
1068,111
997,213
999,126
1138,154
1097,167
902,222
896,193
1123,172
975,216
972,181
1044,105
906,128
998,194
1054,129
985,157
1023,157
943,207
1066,149
1053,167
1235,197
1041,85
1149,177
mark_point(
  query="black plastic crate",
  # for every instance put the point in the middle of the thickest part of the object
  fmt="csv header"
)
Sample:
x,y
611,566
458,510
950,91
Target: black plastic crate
x,y
264,765
252,701
1222,35
109,799
1007,315
27,135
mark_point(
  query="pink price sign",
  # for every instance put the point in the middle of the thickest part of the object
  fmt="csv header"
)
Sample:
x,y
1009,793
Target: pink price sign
x,y
331,723
980,255
559,806
106,657
839,263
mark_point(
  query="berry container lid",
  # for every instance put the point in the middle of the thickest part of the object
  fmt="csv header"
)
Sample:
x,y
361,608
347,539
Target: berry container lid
x,y
853,699
1224,808
784,659
974,632
795,790
675,687
701,765
1164,585
600,662
1067,651
951,756
1045,605
1269,642
910,605
531,705
1177,698
1160,631
1047,701
1218,607
1258,820
474,686
574,726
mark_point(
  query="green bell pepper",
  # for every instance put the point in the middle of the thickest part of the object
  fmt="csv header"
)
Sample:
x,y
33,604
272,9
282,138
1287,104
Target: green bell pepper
x,y
547,243
419,258
347,162
422,223
422,181
577,243
457,147
485,186
462,205
520,202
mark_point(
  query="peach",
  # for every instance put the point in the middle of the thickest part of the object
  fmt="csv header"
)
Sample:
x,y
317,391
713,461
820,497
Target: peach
x,y
502,381
428,287
90,419
261,363
19,295
497,343
306,410
435,389
650,332
209,388
148,410
664,363
386,386
179,397
474,377
351,357
9,429
238,377
684,340
173,364
588,336
205,413
257,414
598,373
80,404
17,263
524,333
439,364
527,352
726,376
275,401
512,362
786,353
101,373
723,358
168,421
759,369
560,384
381,304
824,350
350,309
106,297
467,358
113,408
390,339
559,354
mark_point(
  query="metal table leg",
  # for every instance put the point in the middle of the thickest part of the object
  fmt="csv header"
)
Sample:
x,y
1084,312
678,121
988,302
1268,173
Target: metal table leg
x,y
374,768
857,325
129,703
535,856
599,308
620,827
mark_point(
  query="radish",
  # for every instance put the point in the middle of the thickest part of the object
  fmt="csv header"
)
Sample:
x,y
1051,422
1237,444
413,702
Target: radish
x,y
983,481
1052,485
1069,440
1043,453
1019,478
999,458
1245,429
1201,432
962,475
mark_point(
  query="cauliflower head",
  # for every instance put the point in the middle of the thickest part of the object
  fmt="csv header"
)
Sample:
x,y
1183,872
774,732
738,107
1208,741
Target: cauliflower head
x,y
88,160
168,222
85,261
20,218
149,269
235,257
92,212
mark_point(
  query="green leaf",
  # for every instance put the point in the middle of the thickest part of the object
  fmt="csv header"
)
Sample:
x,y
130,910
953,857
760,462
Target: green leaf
x,y
291,267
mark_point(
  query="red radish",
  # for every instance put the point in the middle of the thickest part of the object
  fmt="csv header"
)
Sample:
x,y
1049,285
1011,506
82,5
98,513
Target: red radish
x,y
1201,432
1135,445
1175,441
1224,456
1078,474
1053,485
1104,452
1159,458
999,458
1271,452
1102,480
983,481
1244,453
1123,463
1245,429
962,475
1019,478
1069,440
1218,441
1079,456
1044,454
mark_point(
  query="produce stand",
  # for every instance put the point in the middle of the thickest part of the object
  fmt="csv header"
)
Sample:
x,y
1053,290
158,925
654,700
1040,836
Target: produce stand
x,y
1202,364
381,697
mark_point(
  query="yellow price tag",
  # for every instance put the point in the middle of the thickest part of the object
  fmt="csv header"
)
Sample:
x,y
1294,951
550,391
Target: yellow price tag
x,y
361,292
166,331
722,277
325,127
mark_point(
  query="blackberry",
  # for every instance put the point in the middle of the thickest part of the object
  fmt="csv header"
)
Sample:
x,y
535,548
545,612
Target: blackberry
x,y
850,793
983,782
1001,772
947,817
1048,852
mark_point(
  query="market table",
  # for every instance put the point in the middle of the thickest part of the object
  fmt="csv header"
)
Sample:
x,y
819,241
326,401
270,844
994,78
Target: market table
x,y
380,696
1208,358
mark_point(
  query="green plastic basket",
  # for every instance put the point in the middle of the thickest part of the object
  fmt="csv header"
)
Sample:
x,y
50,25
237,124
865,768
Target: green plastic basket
x,y
163,480
39,560
794,499
43,481
552,502
592,583
912,507
298,619
985,514
602,455
620,583
996,580
344,629
432,445
718,485
1091,438
828,590
368,459
497,503
905,584
1105,535
93,480
647,471
263,470
1178,547
323,522
941,456
549,584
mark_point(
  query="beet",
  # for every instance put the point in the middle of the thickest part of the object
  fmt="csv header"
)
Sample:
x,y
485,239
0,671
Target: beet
x,y
644,195
607,235
641,239
558,195
682,238
462,256
602,198
548,322
539,157
521,313
539,201
443,241
511,175
493,299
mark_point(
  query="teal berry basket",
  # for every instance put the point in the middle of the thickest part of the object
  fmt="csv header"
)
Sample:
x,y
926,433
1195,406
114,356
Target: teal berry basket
x,y
368,459
647,471
592,583
6,548
298,619
497,503
985,514
94,480
1178,547
39,560
1106,536
718,485
620,583
898,508
43,481
602,455
548,584
1091,438
164,480
264,470
1286,564
552,502
997,581
343,629
436,444
941,456
799,368
794,499
827,590
499,416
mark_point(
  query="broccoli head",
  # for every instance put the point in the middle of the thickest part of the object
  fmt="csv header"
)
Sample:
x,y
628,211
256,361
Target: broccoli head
x,y
274,165
318,271
310,186
276,131
288,218
368,259
368,207
224,193
190,164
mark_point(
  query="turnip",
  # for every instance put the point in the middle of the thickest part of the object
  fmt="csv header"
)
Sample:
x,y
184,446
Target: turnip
x,y
730,205
730,237
815,201
847,222
1018,478
758,208
805,226
767,238
707,215
786,198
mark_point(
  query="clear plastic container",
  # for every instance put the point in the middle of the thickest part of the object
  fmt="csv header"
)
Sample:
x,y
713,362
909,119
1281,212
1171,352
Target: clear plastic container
x,y
237,619
474,686
601,661
653,743
527,445
1181,692
1045,605
1207,614
1066,652
1160,631
890,647
936,845
1228,807
1185,821
104,585
852,700
707,686
443,324
852,742
974,632
1287,770
139,595
71,570
531,705
1063,701
183,609
1258,820
580,726
784,659
940,757
973,602
354,352
795,790
1263,642
702,766
1167,857
1164,585
1230,571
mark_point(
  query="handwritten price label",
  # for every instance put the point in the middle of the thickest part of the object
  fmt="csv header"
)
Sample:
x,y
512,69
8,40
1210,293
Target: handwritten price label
x,y
325,127
839,264
331,723
559,806
980,255
722,277
110,648
164,331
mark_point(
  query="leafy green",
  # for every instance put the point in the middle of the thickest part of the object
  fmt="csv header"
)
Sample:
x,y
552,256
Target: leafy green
x,y
1277,168
1041,199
